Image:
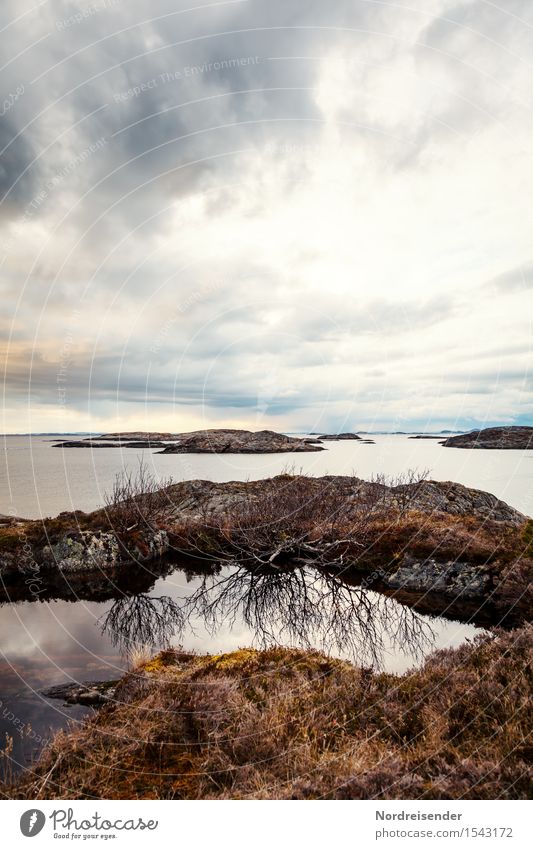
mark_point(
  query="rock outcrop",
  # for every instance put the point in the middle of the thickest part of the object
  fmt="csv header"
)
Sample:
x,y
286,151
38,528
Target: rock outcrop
x,y
30,557
87,551
82,552
89,693
458,500
448,578
516,437
198,498
336,436
431,537
225,441
211,441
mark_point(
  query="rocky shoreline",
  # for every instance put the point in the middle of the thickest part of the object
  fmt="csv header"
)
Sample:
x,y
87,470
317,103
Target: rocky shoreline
x,y
429,539
436,547
210,441
514,437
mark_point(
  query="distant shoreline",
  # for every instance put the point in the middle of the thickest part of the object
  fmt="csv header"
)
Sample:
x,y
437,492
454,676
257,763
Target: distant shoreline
x,y
435,433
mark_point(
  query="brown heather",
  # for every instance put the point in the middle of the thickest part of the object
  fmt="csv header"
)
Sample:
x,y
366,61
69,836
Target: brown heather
x,y
288,724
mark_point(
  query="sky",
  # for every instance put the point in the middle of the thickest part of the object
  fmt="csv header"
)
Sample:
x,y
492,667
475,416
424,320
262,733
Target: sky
x,y
300,215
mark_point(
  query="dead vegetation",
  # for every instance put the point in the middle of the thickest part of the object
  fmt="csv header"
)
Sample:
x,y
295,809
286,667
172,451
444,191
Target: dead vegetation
x,y
356,527
136,500
330,523
335,522
287,724
298,520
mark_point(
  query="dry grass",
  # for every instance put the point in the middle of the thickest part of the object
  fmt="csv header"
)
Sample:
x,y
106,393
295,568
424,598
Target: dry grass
x,y
288,724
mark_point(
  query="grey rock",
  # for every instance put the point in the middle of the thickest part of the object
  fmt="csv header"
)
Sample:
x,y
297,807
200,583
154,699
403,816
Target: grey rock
x,y
455,499
513,437
218,441
196,498
83,551
90,693
453,578
89,551
339,436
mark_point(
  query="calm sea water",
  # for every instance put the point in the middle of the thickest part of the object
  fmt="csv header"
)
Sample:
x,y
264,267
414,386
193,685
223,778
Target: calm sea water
x,y
39,480
44,643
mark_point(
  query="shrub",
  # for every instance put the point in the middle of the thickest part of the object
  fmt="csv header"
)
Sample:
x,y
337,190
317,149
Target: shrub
x,y
136,500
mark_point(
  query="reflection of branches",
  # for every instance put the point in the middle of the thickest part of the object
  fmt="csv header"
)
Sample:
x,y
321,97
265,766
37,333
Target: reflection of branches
x,y
143,620
307,607
298,604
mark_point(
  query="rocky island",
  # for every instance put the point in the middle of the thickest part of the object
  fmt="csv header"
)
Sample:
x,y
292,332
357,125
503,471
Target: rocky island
x,y
336,436
124,439
210,441
101,442
226,441
340,437
517,437
427,540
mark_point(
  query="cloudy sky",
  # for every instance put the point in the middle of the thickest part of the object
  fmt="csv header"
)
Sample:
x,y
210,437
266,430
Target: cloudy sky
x,y
291,214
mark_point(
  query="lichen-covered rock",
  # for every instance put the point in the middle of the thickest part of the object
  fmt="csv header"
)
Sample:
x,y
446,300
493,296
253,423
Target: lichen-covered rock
x,y
9,564
158,544
453,578
196,497
150,547
83,551
456,499
89,551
